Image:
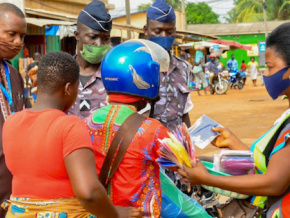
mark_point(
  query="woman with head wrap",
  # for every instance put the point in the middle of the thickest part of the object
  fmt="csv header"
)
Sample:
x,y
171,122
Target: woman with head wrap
x,y
271,151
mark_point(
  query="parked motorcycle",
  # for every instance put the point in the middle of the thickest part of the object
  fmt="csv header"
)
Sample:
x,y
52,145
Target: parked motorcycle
x,y
236,79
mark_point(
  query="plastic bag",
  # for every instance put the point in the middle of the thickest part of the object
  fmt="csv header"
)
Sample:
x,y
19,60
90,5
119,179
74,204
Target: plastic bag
x,y
175,204
235,162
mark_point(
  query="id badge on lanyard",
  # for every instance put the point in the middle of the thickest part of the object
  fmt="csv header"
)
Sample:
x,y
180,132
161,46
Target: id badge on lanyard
x,y
7,94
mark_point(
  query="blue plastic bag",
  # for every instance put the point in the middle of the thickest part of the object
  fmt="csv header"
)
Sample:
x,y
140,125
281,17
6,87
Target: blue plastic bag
x,y
175,204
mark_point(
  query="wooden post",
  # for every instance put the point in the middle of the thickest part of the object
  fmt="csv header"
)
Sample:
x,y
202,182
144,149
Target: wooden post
x,y
265,18
128,21
184,24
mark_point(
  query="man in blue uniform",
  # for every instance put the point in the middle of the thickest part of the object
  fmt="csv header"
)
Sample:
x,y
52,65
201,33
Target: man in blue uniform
x,y
94,25
174,104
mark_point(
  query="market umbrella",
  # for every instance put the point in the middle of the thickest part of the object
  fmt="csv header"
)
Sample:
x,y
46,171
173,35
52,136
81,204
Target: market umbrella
x,y
233,44
206,44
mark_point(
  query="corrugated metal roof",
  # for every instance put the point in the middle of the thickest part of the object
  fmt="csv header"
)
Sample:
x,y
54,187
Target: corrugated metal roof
x,y
50,14
234,28
45,22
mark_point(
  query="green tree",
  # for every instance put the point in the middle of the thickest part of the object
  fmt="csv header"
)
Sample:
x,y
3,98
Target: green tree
x,y
200,13
278,9
232,14
176,4
252,10
143,7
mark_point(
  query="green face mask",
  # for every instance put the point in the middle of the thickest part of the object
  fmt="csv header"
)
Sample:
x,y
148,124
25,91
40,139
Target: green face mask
x,y
94,54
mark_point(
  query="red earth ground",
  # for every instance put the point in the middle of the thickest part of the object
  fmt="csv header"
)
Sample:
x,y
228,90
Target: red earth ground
x,y
248,112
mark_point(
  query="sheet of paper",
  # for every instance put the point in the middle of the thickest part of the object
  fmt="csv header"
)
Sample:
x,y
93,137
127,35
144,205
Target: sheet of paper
x,y
201,132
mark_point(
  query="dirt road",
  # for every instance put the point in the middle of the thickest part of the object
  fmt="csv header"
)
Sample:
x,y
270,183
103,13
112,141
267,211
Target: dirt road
x,y
248,112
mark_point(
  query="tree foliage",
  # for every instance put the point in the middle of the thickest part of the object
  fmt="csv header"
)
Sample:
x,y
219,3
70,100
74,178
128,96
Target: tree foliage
x,y
143,7
176,4
195,13
200,13
252,10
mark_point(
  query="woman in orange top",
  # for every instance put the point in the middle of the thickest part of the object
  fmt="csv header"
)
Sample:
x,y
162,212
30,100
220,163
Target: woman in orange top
x,y
51,159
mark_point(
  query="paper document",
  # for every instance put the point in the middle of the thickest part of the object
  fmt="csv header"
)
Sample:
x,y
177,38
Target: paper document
x,y
201,132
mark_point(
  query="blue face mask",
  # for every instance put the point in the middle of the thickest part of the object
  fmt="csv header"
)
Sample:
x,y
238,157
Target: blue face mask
x,y
164,41
275,84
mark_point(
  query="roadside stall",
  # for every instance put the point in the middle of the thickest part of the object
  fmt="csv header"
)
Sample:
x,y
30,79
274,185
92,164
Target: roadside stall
x,y
205,47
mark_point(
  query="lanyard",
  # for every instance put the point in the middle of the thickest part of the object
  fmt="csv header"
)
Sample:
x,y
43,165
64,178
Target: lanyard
x,y
7,94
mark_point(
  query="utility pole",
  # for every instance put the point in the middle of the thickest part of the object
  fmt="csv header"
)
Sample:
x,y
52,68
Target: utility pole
x,y
184,24
128,20
265,18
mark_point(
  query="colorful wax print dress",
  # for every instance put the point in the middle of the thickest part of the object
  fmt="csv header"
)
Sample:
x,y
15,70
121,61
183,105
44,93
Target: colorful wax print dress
x,y
136,182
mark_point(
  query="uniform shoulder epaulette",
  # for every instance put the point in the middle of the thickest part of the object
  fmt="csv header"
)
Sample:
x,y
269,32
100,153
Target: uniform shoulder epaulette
x,y
184,61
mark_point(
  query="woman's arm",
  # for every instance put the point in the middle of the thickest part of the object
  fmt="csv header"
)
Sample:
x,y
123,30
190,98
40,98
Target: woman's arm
x,y
80,166
227,139
273,183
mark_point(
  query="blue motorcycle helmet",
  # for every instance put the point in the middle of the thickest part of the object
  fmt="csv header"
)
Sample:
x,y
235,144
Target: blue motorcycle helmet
x,y
133,67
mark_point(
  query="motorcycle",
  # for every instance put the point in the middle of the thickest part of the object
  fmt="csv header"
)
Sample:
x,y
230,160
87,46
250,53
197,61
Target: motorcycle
x,y
236,79
219,85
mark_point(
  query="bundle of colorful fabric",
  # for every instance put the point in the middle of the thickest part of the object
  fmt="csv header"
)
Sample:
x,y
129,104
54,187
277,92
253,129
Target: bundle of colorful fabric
x,y
177,149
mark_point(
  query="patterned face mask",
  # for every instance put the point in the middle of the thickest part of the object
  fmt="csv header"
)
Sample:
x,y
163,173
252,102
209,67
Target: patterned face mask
x,y
94,54
9,50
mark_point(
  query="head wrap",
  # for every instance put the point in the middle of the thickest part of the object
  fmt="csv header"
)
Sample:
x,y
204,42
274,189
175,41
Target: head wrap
x,y
123,98
161,11
95,16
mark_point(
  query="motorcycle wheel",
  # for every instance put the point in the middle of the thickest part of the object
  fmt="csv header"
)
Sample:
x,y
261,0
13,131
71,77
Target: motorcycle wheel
x,y
241,86
221,89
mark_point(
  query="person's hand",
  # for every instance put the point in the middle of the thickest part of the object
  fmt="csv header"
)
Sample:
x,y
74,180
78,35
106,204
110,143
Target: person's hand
x,y
227,139
195,175
33,76
32,73
128,212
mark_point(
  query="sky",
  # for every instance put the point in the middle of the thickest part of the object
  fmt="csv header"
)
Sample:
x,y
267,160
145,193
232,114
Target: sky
x,y
221,7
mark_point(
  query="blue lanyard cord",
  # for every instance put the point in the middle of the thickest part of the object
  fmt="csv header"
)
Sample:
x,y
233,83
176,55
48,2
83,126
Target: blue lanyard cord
x,y
7,94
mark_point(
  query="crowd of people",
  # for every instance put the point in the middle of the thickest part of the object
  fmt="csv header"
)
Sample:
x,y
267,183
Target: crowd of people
x,y
271,150
89,144
206,68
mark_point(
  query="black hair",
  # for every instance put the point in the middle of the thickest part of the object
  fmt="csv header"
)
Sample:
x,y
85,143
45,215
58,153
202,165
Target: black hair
x,y
8,7
55,70
279,40
243,61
